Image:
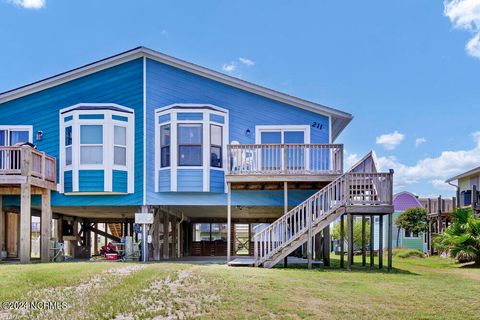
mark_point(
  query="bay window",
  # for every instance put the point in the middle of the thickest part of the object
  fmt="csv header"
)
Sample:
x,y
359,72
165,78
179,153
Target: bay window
x,y
190,142
98,149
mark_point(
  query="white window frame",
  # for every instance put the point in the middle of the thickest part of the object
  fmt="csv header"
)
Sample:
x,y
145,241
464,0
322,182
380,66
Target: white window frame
x,y
206,110
412,237
108,124
282,129
9,128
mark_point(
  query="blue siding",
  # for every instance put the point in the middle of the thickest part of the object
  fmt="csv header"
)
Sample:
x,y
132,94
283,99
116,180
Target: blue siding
x,y
168,85
190,180
217,181
122,84
91,180
164,180
67,181
120,181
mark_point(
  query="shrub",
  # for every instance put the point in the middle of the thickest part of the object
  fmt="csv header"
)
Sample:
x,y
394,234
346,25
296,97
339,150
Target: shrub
x,y
462,238
410,253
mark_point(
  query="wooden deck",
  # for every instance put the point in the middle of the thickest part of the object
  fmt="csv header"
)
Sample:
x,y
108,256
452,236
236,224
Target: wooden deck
x,y
26,171
263,163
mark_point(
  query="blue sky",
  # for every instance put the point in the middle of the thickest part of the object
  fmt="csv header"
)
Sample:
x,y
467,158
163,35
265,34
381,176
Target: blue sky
x,y
407,70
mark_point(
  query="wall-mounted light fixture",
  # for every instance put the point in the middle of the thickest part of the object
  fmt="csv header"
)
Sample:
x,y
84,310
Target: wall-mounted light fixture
x,y
247,132
39,135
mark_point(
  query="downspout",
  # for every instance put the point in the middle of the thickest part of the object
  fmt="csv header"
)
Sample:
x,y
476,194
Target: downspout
x,y
457,193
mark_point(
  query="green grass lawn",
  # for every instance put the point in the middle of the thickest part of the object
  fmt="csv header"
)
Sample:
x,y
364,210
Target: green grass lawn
x,y
429,288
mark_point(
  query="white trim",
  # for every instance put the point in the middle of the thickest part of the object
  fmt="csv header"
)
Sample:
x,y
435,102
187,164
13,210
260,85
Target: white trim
x,y
144,131
183,65
10,128
173,110
108,124
411,238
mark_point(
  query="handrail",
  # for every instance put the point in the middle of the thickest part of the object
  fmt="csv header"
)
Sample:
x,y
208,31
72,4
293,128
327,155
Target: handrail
x,y
40,165
285,159
348,189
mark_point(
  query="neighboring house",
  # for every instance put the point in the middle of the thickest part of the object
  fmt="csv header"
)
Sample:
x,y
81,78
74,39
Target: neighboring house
x,y
215,158
439,215
403,201
467,188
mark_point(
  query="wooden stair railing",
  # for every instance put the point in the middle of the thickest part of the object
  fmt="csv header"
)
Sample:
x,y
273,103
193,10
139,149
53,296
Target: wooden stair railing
x,y
294,228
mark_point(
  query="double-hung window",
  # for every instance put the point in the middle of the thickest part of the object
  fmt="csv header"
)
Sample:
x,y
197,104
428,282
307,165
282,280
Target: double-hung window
x,y
68,145
216,138
91,144
120,145
189,144
165,146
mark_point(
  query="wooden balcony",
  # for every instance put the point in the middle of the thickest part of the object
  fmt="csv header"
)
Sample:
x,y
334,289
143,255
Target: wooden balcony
x,y
25,165
284,162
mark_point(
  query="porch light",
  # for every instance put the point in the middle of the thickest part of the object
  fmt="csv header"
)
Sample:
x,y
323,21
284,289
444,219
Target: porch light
x,y
247,132
39,135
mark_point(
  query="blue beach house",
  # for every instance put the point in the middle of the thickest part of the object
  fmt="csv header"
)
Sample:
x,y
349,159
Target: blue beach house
x,y
227,167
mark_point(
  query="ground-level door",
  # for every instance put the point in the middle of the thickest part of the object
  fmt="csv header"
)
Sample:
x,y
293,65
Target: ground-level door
x,y
12,233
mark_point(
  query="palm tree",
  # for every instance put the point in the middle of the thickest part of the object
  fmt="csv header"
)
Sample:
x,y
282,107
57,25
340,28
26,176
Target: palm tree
x,y
462,238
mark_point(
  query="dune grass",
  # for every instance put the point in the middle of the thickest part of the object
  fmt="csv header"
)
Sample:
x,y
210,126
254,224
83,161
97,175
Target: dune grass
x,y
429,288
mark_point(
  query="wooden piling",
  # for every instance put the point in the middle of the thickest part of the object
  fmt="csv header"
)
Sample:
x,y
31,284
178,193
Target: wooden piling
x,y
364,239
46,226
390,241
350,240
326,246
342,242
372,243
380,242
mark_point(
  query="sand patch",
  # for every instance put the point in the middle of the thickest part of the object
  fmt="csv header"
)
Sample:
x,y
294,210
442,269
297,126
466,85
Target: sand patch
x,y
183,296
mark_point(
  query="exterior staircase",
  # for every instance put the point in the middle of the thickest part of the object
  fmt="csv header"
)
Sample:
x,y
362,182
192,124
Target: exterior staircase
x,y
115,229
361,189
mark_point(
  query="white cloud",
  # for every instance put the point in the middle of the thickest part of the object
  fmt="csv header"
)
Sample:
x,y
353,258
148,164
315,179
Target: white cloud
x,y
465,14
246,61
433,170
419,141
29,4
229,67
391,140
232,66
350,159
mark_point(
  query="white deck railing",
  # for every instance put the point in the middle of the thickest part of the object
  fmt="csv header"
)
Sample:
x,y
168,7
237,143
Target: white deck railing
x,y
285,159
349,189
27,161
